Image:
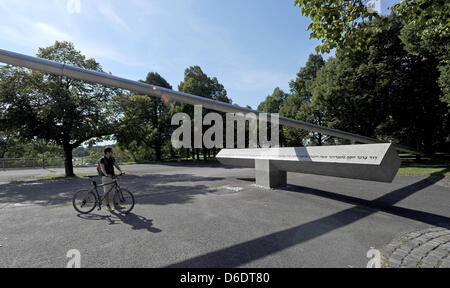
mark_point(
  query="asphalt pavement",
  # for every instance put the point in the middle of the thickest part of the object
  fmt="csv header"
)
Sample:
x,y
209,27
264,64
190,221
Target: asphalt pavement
x,y
212,216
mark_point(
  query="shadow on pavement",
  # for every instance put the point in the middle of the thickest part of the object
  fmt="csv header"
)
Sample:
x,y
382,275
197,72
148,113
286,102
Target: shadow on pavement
x,y
136,222
167,189
264,246
96,217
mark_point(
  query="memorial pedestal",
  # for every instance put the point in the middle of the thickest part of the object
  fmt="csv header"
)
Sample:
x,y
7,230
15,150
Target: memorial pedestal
x,y
372,162
268,175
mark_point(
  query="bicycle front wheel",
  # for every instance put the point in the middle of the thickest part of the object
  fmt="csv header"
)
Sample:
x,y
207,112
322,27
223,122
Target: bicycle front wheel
x,y
123,201
84,201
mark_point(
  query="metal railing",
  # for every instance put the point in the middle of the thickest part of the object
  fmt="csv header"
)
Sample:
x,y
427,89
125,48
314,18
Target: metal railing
x,y
54,162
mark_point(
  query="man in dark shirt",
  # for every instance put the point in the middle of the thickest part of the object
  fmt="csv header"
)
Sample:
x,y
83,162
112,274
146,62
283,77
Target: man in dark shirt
x,y
107,164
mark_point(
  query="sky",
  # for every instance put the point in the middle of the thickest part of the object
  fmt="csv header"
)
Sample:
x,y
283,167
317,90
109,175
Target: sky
x,y
251,46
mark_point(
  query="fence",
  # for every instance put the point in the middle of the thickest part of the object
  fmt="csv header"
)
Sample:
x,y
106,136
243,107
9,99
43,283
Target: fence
x,y
20,163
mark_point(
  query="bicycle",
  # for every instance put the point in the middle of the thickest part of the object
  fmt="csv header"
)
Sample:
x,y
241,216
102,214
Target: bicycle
x,y
85,201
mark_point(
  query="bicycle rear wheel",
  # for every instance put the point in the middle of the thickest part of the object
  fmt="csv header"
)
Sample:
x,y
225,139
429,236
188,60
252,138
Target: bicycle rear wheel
x,y
84,201
125,201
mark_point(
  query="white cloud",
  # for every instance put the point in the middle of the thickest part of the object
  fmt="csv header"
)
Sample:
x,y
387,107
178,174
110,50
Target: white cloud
x,y
34,34
31,32
48,31
109,13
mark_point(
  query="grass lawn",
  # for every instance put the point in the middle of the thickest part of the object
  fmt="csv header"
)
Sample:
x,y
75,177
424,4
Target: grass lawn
x,y
438,165
48,177
424,171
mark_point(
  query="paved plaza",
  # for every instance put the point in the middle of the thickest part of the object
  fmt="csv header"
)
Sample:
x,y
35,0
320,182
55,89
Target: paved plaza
x,y
191,215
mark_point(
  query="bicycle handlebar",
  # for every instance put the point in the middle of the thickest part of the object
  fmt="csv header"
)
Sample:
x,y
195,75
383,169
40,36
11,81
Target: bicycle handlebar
x,y
115,176
120,175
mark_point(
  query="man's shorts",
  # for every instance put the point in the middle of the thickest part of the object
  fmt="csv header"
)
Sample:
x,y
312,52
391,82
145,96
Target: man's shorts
x,y
107,181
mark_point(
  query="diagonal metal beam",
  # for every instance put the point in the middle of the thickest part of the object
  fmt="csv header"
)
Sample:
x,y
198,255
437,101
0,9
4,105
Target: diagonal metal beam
x,y
60,69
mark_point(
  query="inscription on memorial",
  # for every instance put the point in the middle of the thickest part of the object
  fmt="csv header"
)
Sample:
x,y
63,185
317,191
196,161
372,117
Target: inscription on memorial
x,y
375,162
331,154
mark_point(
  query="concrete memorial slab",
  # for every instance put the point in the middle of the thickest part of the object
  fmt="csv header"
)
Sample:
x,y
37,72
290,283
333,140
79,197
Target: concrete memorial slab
x,y
372,162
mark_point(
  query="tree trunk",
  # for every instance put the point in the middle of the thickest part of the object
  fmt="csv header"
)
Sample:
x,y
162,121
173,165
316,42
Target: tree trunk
x,y
4,148
134,157
172,153
68,165
158,152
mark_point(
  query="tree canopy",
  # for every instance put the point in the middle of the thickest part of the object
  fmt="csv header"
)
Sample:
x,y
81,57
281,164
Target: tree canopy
x,y
343,24
57,109
145,125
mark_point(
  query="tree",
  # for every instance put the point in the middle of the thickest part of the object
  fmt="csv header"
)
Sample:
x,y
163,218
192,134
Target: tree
x,y
54,108
137,132
196,82
424,33
333,21
375,91
146,120
7,141
298,104
272,103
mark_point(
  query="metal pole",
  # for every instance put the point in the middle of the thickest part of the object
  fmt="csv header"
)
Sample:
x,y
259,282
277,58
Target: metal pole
x,y
51,67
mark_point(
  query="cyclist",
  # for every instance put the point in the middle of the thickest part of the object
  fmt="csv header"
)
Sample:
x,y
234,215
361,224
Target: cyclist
x,y
106,165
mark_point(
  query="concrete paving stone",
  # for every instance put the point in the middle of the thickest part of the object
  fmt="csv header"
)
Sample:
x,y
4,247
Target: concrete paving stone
x,y
444,233
410,246
409,264
430,246
434,242
421,239
442,240
396,244
400,253
417,243
431,260
422,248
397,257
418,254
414,235
440,253
427,265
434,229
394,263
412,258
